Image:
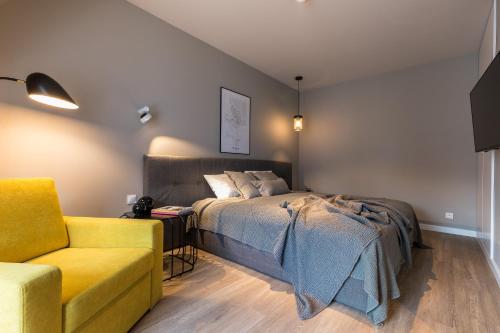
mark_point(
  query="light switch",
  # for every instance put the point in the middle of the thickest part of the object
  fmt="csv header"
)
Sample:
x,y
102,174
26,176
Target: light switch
x,y
131,199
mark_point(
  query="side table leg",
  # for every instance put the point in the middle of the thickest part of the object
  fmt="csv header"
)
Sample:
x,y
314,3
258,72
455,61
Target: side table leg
x,y
172,250
182,239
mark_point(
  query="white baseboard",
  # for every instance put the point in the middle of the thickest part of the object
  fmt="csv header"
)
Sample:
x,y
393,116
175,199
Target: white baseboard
x,y
449,230
493,266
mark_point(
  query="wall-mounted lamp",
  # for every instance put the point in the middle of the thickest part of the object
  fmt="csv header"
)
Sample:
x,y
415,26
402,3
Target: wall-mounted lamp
x,y
298,119
44,89
144,114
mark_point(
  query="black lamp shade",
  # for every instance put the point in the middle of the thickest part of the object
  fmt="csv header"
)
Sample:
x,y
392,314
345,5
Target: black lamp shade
x,y
43,89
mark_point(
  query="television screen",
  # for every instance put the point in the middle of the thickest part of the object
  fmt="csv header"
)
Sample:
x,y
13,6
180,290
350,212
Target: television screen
x,y
485,103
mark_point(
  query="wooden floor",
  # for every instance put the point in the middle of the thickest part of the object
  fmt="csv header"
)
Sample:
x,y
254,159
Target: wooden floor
x,y
449,289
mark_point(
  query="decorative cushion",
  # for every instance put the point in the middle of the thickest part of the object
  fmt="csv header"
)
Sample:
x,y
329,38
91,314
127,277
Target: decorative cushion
x,y
269,188
93,277
31,222
222,186
244,184
263,175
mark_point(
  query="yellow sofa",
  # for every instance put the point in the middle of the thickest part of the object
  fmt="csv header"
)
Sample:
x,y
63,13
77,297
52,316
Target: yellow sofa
x,y
72,274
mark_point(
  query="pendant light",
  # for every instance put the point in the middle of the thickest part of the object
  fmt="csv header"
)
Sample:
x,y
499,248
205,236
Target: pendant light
x,y
298,119
44,89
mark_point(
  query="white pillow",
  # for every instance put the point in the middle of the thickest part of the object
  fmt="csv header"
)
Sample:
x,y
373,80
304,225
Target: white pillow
x,y
222,186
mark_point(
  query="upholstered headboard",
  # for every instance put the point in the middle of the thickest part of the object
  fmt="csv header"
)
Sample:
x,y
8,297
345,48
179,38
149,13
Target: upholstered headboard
x,y
179,180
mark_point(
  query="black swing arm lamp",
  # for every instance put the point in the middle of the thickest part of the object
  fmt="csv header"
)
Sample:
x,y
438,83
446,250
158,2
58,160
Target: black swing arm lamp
x,y
44,89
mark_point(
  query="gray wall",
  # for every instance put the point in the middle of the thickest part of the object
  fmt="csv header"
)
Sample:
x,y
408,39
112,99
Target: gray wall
x,y
114,58
405,135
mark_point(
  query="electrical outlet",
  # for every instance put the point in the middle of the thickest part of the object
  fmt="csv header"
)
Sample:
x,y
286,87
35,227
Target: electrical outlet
x,y
131,199
448,215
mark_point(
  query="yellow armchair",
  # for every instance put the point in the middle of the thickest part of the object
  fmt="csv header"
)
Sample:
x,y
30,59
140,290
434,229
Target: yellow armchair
x,y
87,232
72,274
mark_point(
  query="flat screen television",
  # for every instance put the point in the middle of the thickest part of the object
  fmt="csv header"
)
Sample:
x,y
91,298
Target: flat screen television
x,y
485,104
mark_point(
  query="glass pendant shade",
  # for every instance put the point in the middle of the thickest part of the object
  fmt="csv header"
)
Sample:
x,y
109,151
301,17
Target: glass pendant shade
x,y
298,123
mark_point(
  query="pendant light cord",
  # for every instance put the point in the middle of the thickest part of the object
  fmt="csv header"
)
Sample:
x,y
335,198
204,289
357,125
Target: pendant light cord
x,y
298,96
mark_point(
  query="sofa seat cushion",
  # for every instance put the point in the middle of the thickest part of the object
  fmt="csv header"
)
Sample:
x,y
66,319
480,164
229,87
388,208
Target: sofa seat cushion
x,y
93,277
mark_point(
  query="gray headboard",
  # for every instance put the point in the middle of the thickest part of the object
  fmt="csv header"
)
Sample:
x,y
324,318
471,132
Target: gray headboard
x,y
179,180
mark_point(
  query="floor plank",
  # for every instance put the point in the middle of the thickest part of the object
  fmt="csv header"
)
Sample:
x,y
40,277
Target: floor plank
x,y
449,289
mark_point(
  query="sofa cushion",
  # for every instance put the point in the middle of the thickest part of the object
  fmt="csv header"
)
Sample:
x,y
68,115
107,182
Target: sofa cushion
x,y
31,221
93,277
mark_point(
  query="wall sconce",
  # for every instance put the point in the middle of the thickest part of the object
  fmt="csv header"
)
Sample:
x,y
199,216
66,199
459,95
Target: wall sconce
x,y
298,119
144,114
44,89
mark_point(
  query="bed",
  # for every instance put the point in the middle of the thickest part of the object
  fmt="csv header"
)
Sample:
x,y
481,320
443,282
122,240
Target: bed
x,y
179,181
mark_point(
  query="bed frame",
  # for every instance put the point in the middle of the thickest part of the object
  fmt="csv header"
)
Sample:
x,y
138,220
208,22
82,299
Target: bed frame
x,y
179,181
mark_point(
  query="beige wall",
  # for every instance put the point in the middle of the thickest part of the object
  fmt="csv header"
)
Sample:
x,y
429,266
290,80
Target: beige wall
x,y
404,135
114,58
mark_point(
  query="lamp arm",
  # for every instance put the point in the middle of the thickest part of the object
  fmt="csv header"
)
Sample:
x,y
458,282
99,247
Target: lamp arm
x,y
11,79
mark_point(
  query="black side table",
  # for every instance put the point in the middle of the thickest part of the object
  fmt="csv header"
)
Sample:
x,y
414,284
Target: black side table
x,y
180,251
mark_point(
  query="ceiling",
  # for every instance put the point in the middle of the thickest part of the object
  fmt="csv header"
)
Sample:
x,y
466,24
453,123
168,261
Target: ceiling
x,y
329,41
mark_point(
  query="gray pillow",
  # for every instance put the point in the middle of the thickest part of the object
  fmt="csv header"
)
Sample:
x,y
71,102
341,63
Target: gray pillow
x,y
243,182
263,175
269,188
222,186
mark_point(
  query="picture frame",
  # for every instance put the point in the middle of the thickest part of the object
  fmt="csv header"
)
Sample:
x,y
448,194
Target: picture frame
x,y
235,121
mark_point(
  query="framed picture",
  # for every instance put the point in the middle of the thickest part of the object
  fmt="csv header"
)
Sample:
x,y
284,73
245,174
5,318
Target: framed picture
x,y
234,122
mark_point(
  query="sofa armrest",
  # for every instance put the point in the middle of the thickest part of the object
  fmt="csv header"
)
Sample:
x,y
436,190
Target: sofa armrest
x,y
30,299
89,232
112,232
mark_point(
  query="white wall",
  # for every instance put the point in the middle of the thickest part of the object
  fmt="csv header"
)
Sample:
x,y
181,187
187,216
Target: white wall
x,y
488,177
496,216
496,186
496,238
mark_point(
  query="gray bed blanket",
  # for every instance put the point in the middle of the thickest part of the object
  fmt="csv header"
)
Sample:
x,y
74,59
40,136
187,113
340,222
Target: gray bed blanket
x,y
323,242
319,248
374,238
